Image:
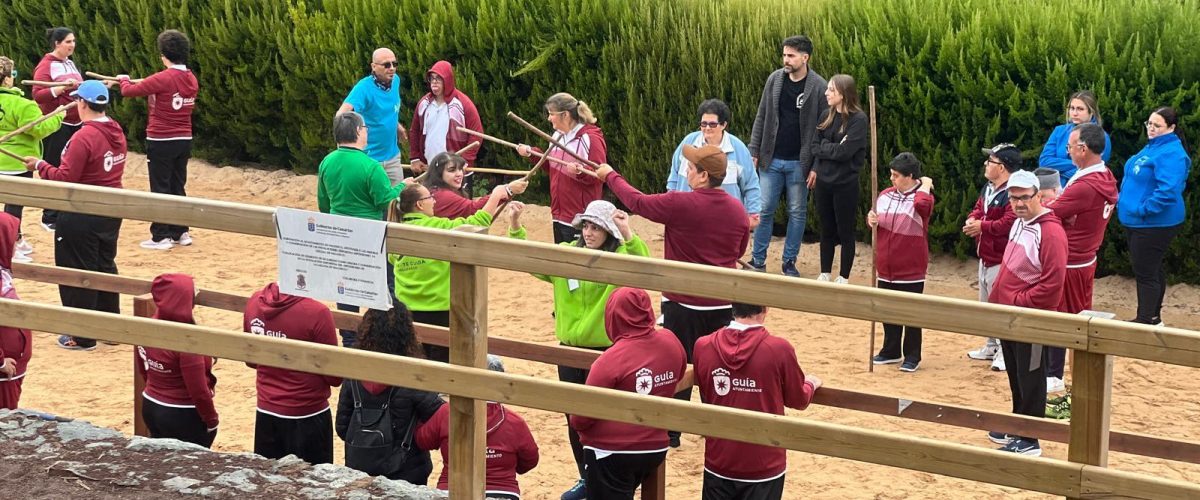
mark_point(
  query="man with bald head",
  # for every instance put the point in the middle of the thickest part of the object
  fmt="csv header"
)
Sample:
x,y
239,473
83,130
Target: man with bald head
x,y
377,98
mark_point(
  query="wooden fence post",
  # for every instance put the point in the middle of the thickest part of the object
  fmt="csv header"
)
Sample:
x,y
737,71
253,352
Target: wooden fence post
x,y
143,307
468,347
1091,405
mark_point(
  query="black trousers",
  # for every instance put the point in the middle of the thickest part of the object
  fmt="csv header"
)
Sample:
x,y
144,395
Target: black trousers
x,y
52,148
439,318
1026,368
1056,362
309,438
168,175
689,325
716,488
618,476
1147,247
564,233
574,375
87,242
17,210
837,207
900,340
183,424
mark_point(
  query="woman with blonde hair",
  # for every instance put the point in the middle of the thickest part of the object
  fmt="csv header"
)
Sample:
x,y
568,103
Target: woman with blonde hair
x,y
1081,108
841,149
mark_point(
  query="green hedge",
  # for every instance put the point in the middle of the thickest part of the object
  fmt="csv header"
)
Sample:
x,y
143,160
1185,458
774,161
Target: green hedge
x,y
951,75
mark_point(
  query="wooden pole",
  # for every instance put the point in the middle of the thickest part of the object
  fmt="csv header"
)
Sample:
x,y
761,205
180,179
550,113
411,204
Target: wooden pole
x,y
553,142
22,129
44,84
1091,403
12,155
498,171
874,196
468,347
466,148
511,145
106,78
143,307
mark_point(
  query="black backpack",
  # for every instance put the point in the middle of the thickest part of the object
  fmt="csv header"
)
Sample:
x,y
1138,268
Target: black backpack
x,y
372,443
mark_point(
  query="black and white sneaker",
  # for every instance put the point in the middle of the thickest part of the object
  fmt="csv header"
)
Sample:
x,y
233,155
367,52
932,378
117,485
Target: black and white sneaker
x,y
1000,438
909,366
883,360
1023,447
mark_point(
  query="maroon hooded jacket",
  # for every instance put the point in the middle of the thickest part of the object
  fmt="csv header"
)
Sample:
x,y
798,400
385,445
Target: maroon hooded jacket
x,y
53,69
289,393
1085,207
996,216
452,204
744,366
172,98
642,359
1034,266
462,114
15,343
177,379
95,155
510,447
571,193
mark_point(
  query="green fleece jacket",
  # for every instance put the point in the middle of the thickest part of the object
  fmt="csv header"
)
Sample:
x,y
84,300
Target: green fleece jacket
x,y
579,305
424,284
16,111
350,183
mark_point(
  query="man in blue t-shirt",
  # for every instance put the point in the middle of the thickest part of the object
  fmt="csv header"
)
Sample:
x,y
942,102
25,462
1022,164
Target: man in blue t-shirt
x,y
377,98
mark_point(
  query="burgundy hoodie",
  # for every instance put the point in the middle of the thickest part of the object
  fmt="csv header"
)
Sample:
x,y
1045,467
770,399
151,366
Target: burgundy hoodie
x,y
1084,207
744,366
451,204
172,98
15,343
642,359
1035,264
95,155
177,379
571,193
510,447
902,244
996,219
462,114
288,393
53,69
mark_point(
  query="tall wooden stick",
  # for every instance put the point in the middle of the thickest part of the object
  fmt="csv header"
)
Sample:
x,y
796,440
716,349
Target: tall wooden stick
x,y
466,148
11,154
554,144
503,142
98,76
44,84
35,123
874,197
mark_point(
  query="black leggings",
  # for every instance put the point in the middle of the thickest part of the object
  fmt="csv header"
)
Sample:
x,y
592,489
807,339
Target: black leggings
x,y
575,376
183,424
1147,247
901,340
837,207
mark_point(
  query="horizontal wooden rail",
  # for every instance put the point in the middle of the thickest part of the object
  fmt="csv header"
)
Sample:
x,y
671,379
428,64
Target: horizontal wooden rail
x,y
950,459
1168,345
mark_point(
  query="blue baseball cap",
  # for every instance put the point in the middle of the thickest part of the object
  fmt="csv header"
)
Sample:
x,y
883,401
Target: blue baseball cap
x,y
92,91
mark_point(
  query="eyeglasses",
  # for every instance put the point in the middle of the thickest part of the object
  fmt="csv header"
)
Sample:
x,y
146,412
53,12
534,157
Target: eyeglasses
x,y
1155,126
1022,198
430,197
389,64
989,161
1073,146
704,124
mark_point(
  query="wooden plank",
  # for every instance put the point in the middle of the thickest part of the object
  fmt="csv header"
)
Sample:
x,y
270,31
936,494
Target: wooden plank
x,y
469,348
1156,343
143,307
1091,404
1103,483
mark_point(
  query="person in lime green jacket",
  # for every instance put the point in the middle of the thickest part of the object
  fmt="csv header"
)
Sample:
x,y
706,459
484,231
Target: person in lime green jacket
x,y
578,304
423,285
15,112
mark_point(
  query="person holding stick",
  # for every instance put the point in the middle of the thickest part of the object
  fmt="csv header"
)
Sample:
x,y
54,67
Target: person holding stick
x,y
435,122
84,241
1081,108
579,305
377,98
901,217
57,66
172,99
447,180
741,181
989,223
422,284
18,112
571,190
841,148
16,344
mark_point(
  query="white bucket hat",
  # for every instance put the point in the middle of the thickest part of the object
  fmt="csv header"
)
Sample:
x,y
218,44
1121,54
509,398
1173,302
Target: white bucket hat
x,y
600,213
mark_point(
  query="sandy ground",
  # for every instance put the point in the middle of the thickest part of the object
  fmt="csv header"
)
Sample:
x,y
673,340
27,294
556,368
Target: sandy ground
x,y
97,386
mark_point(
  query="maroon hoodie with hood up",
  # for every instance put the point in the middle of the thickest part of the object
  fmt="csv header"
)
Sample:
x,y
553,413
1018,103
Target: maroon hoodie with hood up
x,y
642,359
462,114
177,379
15,343
744,366
95,155
511,449
289,393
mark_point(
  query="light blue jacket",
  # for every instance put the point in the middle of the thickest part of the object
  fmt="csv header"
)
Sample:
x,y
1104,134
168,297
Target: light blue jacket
x,y
1054,154
741,180
1152,185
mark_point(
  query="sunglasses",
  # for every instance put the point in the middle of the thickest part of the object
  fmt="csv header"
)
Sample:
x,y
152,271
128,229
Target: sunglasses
x,y
704,124
13,74
389,64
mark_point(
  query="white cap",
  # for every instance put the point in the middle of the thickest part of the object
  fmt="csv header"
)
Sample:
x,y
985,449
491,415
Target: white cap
x,y
1023,179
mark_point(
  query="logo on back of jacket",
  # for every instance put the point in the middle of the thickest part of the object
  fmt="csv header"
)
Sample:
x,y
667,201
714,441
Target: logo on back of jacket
x,y
647,381
258,327
723,383
148,363
178,101
111,160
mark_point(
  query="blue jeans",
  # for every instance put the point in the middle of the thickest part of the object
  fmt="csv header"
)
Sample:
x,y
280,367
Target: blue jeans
x,y
772,181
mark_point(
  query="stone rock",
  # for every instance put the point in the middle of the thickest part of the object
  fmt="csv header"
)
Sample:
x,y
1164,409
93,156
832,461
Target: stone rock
x,y
139,443
242,480
317,494
180,483
83,431
334,475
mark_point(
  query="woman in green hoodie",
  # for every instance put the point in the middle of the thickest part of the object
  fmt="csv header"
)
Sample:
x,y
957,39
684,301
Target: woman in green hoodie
x,y
423,285
579,305
15,112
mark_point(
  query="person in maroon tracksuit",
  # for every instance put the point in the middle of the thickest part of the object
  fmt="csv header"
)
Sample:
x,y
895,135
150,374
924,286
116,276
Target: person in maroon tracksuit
x,y
178,399
446,179
744,366
901,247
293,416
95,156
172,98
16,344
989,223
57,66
642,359
436,118
511,449
1031,275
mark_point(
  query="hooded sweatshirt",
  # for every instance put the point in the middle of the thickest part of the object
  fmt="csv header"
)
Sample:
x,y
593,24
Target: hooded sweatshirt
x,y
172,98
570,193
434,128
177,379
996,219
1034,266
53,69
902,248
1054,153
18,111
15,343
95,155
289,393
744,366
511,449
1152,186
424,284
451,204
1084,208
643,359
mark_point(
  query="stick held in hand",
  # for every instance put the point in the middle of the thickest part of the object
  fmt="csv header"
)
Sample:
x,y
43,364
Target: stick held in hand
x,y
34,123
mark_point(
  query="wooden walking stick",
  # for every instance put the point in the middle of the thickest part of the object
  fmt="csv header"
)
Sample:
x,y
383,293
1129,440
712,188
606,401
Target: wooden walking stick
x,y
556,144
11,154
468,147
503,142
874,197
39,83
106,78
34,123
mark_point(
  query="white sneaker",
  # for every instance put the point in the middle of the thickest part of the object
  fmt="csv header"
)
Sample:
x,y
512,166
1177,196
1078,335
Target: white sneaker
x,y
841,281
988,352
823,277
1055,385
23,247
22,258
185,240
998,361
163,244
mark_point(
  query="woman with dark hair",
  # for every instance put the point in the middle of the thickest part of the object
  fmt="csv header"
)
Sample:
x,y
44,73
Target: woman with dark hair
x,y
1151,207
57,66
424,284
447,172
741,181
18,112
1081,108
842,139
389,332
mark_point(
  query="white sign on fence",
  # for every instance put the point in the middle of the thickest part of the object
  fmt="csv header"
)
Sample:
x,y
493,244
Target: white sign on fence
x,y
332,257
